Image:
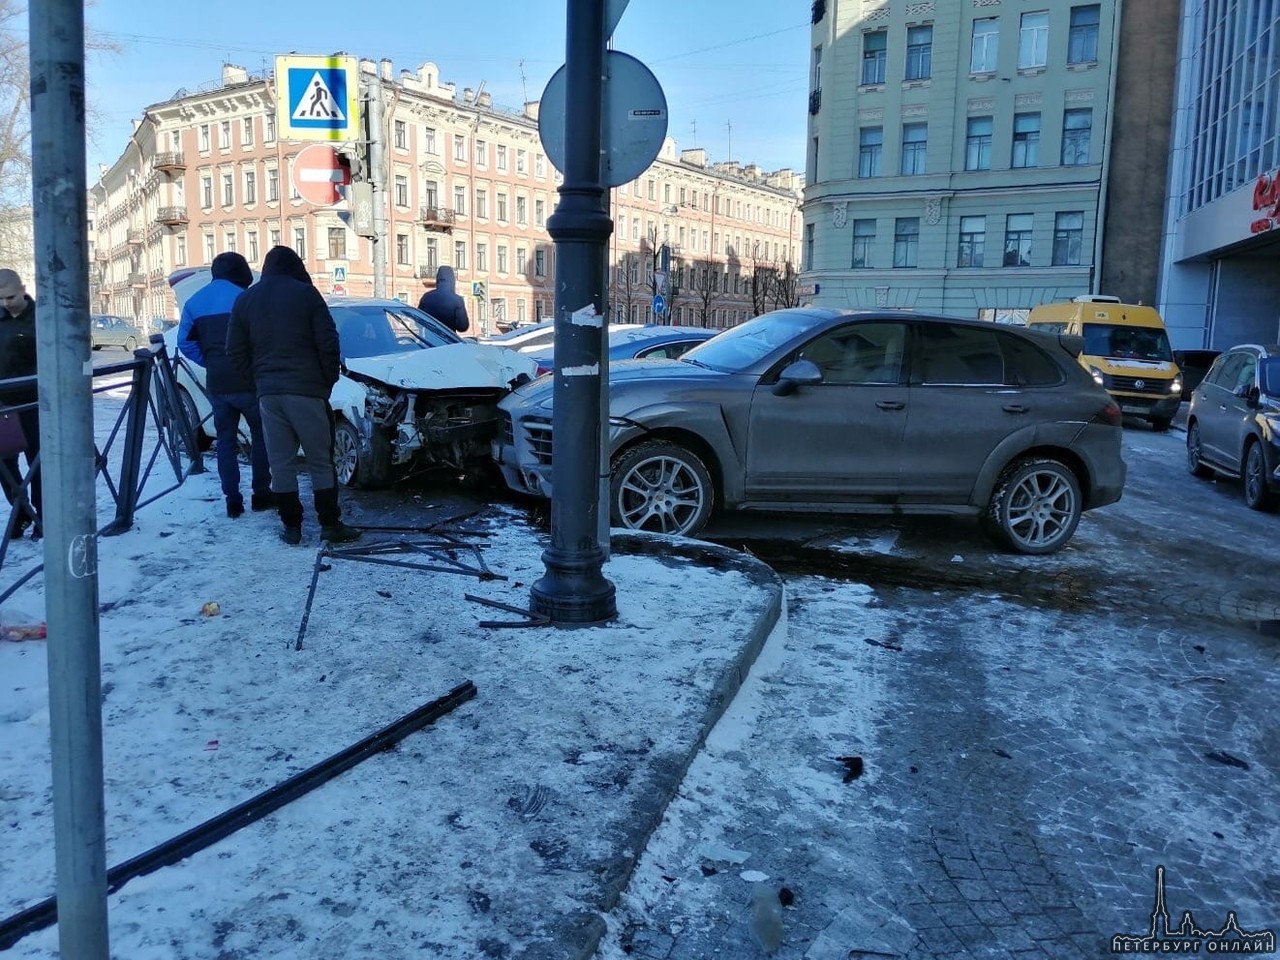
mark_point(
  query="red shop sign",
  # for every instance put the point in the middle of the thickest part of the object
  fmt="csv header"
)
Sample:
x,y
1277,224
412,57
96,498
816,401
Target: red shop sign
x,y
1266,202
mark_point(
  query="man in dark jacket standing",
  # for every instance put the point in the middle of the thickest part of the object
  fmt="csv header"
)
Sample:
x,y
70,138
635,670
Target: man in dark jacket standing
x,y
202,336
283,338
443,302
18,359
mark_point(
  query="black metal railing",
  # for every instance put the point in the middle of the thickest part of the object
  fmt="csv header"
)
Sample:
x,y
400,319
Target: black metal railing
x,y
819,10
815,101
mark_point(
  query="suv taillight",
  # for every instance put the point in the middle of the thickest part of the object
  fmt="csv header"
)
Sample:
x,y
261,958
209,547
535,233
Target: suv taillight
x,y
1110,415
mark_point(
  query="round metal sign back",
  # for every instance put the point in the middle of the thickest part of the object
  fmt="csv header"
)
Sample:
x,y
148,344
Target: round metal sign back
x,y
634,122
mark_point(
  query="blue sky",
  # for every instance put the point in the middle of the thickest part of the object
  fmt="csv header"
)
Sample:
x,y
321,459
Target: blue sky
x,y
734,71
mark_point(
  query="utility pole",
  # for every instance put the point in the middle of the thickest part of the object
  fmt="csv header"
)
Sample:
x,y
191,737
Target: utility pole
x,y
574,589
378,180
68,472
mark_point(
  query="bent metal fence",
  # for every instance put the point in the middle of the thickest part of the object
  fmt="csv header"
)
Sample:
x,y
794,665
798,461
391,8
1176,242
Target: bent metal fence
x,y
153,426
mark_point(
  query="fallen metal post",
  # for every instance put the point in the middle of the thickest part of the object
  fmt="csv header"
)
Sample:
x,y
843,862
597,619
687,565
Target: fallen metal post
x,y
37,917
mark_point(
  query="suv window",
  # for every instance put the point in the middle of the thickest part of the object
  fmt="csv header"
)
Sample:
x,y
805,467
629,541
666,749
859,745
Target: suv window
x,y
859,353
1030,365
1230,370
960,355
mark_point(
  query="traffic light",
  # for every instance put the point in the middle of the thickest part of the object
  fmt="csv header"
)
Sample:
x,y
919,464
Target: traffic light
x,y
351,156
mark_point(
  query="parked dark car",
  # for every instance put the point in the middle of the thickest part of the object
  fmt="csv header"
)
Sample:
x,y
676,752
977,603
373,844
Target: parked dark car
x,y
111,331
1233,426
876,412
1194,364
635,342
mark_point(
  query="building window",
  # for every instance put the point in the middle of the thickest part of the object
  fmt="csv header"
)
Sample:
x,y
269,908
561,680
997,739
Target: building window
x,y
522,210
502,258
540,166
1033,41
180,255
870,151
973,240
482,154
906,241
813,161
482,203
460,201
228,190
210,250
502,208
875,45
1077,125
433,254
204,138
520,311
400,135
522,262
224,135
251,246
429,140
502,158
459,148
431,194
808,246
1026,140
915,143
460,254
1068,235
1017,239
206,192
402,190
402,249
986,45
919,53
482,256
1082,42
273,237
229,241
977,144
269,123
273,184
864,239
540,212
337,243
300,242
250,187
246,133
539,263
522,163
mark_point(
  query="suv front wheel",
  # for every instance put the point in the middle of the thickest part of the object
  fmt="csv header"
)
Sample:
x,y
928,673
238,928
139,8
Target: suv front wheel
x,y
661,487
1036,506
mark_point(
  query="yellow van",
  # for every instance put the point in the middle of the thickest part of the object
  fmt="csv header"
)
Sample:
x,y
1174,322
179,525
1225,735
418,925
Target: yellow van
x,y
1126,349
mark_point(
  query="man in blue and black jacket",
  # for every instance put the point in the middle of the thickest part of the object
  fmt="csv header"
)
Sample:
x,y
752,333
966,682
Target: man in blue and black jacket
x,y
202,336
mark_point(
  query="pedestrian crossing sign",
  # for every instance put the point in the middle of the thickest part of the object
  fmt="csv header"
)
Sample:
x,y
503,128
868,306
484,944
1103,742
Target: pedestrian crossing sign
x,y
317,98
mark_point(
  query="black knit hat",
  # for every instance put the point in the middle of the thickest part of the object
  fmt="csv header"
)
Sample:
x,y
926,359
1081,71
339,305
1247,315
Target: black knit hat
x,y
231,266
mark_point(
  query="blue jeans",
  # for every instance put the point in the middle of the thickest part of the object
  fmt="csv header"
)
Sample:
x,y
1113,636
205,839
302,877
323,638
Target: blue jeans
x,y
228,408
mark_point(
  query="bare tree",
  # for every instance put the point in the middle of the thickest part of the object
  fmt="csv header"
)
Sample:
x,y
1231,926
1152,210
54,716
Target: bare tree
x,y
628,289
785,287
703,287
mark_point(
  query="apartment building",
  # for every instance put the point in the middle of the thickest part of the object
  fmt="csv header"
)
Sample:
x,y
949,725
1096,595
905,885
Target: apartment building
x,y
467,184
959,155
1221,277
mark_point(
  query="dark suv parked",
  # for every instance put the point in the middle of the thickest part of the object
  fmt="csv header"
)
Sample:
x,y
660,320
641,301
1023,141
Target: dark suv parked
x,y
1233,426
884,412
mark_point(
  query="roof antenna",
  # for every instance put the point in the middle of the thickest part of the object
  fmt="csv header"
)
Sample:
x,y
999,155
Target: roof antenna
x,y
523,83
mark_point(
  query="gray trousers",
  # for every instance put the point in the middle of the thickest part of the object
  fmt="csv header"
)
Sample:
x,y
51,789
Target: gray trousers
x,y
289,422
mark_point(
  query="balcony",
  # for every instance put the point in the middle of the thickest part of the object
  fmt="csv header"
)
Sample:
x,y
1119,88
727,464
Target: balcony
x,y
136,237
438,218
168,162
819,10
137,280
815,102
427,271
171,216
100,254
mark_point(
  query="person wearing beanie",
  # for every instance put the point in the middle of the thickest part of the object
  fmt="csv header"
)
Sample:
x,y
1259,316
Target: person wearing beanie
x,y
202,337
283,338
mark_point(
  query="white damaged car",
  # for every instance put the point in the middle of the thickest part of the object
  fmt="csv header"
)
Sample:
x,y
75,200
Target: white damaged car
x,y
413,395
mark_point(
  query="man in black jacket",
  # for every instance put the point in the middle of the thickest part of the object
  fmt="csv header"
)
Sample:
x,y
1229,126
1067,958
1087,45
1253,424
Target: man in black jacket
x,y
443,302
283,338
18,359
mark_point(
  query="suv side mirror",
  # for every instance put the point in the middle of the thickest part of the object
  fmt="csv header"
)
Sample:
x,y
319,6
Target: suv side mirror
x,y
800,373
1251,395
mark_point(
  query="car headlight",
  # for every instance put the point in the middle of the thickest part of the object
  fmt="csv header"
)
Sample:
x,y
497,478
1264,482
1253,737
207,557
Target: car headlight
x,y
1098,378
1176,385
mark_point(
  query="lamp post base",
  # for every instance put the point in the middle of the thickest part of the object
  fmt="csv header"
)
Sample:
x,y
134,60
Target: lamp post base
x,y
573,590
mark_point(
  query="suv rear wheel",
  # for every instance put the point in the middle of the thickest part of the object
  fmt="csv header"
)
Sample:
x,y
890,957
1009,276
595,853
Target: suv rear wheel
x,y
1036,506
661,487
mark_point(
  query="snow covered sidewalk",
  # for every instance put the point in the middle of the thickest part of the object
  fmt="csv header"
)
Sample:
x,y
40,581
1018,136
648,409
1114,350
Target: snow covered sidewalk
x,y
502,830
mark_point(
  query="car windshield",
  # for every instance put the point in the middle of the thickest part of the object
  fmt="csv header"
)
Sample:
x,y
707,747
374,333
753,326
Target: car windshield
x,y
375,330
1269,376
739,347
1126,343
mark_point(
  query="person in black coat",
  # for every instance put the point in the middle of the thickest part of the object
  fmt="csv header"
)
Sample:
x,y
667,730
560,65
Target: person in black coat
x,y
283,339
443,302
18,359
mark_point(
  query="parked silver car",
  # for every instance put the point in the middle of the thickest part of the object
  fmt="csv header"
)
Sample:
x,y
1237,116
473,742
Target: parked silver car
x,y
1233,425
110,331
815,410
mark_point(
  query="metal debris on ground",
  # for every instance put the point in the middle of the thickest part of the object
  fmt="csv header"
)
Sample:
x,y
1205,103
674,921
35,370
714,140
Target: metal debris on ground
x,y
531,619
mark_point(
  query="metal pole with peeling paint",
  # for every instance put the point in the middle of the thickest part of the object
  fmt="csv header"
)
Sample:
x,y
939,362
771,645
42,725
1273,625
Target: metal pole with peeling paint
x,y
574,588
68,471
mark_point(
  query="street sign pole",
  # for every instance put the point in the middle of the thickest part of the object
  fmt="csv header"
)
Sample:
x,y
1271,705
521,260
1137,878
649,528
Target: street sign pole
x,y
378,179
574,589
68,471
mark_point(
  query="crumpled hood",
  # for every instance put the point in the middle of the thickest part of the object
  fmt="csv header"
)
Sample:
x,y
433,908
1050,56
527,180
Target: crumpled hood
x,y
450,367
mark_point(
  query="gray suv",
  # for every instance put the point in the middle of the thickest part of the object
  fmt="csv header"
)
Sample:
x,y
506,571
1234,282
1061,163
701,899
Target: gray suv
x,y
821,411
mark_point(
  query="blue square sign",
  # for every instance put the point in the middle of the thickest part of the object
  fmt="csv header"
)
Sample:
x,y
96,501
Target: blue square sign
x,y
319,98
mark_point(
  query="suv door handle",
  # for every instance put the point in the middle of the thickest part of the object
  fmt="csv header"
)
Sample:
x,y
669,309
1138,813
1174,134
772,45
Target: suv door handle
x,y
889,404
1015,408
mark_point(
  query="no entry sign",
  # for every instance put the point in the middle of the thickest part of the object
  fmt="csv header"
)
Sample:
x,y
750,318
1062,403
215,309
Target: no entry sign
x,y
317,174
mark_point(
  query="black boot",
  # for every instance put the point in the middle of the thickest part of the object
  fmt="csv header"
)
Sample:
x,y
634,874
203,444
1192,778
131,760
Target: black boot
x,y
290,509
235,506
332,529
262,501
